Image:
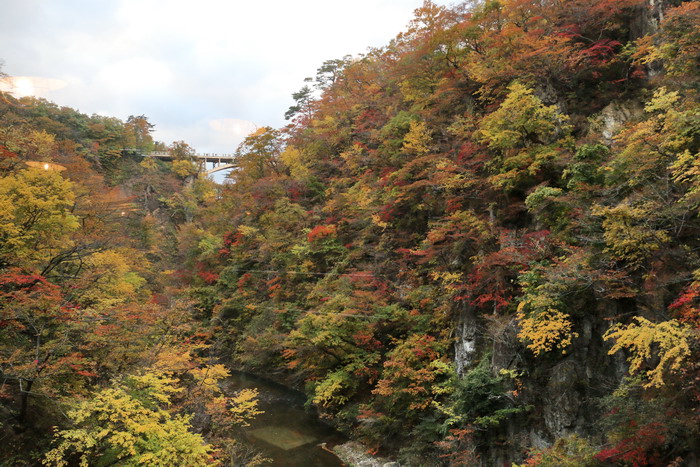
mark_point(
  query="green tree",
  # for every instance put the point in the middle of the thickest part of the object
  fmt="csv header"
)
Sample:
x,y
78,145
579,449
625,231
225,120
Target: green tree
x,y
137,131
303,99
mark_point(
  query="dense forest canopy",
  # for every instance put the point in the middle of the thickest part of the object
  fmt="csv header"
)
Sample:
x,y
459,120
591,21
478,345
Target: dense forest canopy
x,y
477,245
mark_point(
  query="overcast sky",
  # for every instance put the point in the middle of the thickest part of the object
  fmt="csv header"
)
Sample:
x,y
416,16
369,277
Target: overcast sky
x,y
203,71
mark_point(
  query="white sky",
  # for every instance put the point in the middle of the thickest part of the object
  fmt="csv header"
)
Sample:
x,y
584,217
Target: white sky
x,y
203,71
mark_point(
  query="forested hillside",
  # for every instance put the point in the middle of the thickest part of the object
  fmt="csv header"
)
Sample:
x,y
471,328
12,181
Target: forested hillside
x,y
97,338
477,245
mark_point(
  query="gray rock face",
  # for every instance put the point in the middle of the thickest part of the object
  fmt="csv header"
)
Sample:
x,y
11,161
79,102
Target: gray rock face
x,y
538,441
648,19
504,343
613,116
465,341
561,413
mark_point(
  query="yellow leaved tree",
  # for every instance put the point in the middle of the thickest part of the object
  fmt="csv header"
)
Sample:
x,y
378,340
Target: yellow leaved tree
x,y
35,216
525,136
129,424
644,340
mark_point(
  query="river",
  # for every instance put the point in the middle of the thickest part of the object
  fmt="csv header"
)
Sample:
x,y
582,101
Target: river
x,y
286,433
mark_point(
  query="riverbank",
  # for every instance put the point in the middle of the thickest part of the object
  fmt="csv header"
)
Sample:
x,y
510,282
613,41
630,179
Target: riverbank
x,y
286,433
289,434
354,454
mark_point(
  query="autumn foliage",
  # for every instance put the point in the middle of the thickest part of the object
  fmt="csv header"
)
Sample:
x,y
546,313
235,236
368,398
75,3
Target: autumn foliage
x,y
477,243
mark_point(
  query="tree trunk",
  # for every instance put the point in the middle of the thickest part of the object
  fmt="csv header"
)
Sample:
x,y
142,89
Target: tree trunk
x,y
25,401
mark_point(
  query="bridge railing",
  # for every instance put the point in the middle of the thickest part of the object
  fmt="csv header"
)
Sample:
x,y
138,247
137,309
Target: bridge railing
x,y
214,155
207,155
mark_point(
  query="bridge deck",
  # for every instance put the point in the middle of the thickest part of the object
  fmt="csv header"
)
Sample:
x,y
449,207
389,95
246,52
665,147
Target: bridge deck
x,y
204,157
219,162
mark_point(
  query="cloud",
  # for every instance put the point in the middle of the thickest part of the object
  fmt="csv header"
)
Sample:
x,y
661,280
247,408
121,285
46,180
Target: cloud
x,y
136,76
233,126
23,86
213,136
196,69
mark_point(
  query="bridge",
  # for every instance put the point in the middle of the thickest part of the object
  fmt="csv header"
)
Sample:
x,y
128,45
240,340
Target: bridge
x,y
219,161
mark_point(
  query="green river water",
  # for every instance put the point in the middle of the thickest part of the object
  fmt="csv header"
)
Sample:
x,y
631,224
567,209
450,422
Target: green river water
x,y
286,433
